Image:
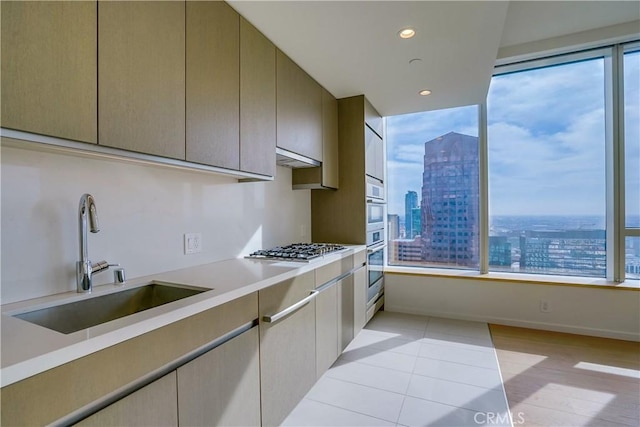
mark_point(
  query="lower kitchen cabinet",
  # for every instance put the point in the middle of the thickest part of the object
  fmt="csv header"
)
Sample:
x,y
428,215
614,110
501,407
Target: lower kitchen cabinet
x,y
222,387
327,316
359,300
287,347
153,405
345,301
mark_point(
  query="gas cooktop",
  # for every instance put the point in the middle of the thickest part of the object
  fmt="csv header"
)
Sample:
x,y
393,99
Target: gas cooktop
x,y
301,252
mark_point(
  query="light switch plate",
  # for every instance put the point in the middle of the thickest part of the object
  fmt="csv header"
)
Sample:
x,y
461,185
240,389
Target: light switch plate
x,y
192,243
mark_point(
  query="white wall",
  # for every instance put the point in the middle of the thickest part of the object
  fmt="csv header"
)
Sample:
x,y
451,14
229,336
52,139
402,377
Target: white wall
x,y
610,313
143,211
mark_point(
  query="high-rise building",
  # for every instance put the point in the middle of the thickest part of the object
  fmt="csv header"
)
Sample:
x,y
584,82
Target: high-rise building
x,y
450,200
499,251
393,227
410,202
406,251
416,227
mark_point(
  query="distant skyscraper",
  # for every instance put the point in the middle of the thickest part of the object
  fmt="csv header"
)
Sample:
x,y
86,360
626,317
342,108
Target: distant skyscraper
x,y
450,197
416,222
410,202
393,226
499,251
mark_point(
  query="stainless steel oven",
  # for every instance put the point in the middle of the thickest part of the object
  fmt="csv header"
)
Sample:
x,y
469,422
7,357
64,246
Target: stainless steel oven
x,y
375,281
375,215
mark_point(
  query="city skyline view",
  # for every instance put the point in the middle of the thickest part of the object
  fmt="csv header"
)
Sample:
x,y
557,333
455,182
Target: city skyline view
x,y
546,142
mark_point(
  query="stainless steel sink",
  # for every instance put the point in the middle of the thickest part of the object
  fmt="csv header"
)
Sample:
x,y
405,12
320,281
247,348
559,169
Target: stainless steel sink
x,y
75,316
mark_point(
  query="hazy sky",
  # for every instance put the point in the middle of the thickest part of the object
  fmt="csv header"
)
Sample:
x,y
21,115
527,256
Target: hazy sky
x,y
546,141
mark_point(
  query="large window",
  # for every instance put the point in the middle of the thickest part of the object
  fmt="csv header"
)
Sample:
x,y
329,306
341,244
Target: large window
x,y
432,161
548,178
546,149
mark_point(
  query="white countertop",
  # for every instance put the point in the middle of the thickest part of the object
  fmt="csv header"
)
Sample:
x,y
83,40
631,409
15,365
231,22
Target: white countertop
x,y
28,349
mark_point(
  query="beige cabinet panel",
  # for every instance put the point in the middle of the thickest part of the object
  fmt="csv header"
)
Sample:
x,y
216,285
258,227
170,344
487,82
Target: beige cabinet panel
x,y
345,295
141,76
153,405
213,84
49,68
329,140
373,118
374,155
287,348
222,387
299,109
257,101
327,317
326,175
359,300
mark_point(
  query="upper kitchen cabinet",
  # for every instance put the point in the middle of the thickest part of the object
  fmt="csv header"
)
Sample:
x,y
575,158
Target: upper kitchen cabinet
x,y
325,176
49,68
257,101
372,118
374,147
141,83
213,84
299,109
374,154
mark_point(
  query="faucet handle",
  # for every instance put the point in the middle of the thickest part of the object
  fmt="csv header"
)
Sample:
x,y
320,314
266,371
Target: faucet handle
x,y
101,266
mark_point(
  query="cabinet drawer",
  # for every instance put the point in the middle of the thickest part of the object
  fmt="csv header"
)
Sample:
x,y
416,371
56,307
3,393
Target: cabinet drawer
x,y
360,258
333,270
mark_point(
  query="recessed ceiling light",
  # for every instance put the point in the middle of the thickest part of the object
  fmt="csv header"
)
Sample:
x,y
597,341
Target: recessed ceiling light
x,y
407,33
425,92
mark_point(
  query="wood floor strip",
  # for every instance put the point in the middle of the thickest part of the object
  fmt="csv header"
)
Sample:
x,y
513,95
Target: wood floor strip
x,y
558,379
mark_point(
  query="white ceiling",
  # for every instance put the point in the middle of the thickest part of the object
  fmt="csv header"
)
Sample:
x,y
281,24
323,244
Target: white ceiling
x,y
352,47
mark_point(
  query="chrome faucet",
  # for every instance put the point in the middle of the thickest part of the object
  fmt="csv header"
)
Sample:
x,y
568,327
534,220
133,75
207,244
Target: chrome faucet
x,y
84,268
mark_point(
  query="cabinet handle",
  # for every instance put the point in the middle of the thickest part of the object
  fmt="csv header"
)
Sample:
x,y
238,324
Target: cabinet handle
x,y
275,317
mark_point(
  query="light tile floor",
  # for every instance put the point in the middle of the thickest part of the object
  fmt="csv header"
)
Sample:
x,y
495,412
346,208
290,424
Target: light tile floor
x,y
407,370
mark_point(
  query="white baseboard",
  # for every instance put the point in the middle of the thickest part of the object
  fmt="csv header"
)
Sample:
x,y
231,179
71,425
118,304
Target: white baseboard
x,y
603,333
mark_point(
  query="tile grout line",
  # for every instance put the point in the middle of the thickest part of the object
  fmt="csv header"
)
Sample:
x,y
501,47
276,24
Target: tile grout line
x,y
348,410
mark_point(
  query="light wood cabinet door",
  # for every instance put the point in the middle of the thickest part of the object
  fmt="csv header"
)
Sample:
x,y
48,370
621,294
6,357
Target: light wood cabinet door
x,y
141,76
327,316
257,101
222,387
345,329
359,300
153,405
49,68
373,118
213,84
374,155
299,109
287,348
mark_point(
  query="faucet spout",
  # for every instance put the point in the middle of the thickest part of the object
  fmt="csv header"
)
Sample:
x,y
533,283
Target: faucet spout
x,y
87,215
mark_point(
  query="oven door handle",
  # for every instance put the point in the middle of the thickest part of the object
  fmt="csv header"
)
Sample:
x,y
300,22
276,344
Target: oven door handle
x,y
275,317
376,248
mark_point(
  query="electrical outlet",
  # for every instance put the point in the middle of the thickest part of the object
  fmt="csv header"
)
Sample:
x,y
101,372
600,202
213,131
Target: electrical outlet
x,y
545,307
192,243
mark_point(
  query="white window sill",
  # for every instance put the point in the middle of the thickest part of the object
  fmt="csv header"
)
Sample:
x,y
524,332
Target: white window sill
x,y
542,279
